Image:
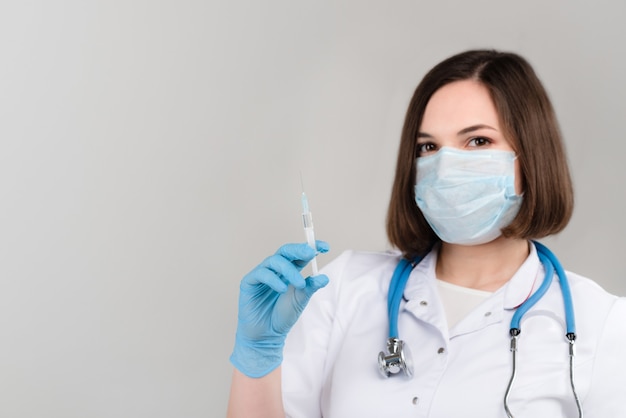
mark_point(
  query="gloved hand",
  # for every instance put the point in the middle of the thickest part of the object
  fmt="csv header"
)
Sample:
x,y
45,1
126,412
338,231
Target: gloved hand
x,y
271,298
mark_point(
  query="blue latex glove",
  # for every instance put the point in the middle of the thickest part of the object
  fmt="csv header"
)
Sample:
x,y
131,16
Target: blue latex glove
x,y
271,298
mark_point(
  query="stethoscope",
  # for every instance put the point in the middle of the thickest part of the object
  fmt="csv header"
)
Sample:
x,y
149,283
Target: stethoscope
x,y
398,358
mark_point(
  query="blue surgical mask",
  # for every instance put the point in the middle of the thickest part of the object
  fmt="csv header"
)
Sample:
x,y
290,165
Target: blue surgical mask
x,y
467,197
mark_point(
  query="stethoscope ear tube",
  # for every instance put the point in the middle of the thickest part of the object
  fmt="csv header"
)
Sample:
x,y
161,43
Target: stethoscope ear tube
x,y
551,265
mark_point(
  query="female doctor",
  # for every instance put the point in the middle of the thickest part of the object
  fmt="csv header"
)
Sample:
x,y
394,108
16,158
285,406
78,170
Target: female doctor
x,y
481,174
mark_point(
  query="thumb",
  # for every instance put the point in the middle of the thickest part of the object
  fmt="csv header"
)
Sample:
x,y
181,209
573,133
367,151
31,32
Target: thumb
x,y
301,297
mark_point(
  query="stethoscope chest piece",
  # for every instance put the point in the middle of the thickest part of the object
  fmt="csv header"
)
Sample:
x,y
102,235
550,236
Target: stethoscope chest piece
x,y
397,359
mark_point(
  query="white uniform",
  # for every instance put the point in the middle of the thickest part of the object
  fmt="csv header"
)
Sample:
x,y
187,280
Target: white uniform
x,y
330,364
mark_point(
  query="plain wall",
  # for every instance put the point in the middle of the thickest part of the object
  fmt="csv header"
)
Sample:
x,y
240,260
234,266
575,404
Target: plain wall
x,y
151,154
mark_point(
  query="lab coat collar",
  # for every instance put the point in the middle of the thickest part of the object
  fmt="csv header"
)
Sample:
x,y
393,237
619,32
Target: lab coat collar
x,y
422,296
421,291
523,282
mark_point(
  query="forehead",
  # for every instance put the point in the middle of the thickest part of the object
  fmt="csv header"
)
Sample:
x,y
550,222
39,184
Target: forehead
x,y
458,105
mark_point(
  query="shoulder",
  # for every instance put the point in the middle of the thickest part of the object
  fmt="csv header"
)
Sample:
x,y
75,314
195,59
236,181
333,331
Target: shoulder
x,y
588,292
602,335
597,311
358,263
356,272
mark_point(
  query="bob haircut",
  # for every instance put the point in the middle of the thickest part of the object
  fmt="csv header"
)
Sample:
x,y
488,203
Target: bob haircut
x,y
529,124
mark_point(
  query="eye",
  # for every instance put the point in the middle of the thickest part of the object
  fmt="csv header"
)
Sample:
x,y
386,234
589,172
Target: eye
x,y
479,141
425,148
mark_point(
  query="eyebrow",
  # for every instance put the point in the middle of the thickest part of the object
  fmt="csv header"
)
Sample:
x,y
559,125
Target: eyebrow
x,y
475,128
462,131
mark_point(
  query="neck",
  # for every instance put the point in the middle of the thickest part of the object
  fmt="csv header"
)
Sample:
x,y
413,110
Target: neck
x,y
484,267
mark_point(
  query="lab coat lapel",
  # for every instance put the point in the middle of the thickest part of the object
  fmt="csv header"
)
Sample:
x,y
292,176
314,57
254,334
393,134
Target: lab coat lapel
x,y
524,282
508,297
422,298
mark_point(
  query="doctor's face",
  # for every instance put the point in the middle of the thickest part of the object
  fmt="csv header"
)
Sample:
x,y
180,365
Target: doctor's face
x,y
462,115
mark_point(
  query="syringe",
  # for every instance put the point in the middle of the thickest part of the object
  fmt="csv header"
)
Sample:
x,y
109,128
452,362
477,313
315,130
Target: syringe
x,y
307,219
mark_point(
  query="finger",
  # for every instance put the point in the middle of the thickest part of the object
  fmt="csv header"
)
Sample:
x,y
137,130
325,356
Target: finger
x,y
262,275
301,254
286,269
315,283
297,252
322,246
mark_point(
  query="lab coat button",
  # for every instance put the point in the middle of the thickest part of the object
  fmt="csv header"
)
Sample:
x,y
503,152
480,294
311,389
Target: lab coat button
x,y
423,303
416,400
487,313
441,350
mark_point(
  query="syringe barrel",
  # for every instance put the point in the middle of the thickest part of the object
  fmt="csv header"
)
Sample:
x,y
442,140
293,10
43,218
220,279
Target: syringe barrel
x,y
310,237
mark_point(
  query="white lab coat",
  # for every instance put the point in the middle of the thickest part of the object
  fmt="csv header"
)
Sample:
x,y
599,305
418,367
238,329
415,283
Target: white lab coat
x,y
330,364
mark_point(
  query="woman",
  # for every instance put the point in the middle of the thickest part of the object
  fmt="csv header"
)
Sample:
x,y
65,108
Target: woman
x,y
481,172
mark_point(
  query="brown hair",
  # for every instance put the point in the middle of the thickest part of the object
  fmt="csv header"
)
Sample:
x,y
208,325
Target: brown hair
x,y
529,124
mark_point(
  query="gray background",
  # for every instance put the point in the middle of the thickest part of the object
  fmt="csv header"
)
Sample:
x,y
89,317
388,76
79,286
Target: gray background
x,y
151,154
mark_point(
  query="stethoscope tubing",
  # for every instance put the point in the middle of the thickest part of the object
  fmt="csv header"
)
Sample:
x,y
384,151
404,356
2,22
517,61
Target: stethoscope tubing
x,y
551,265
565,289
534,298
396,289
548,259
